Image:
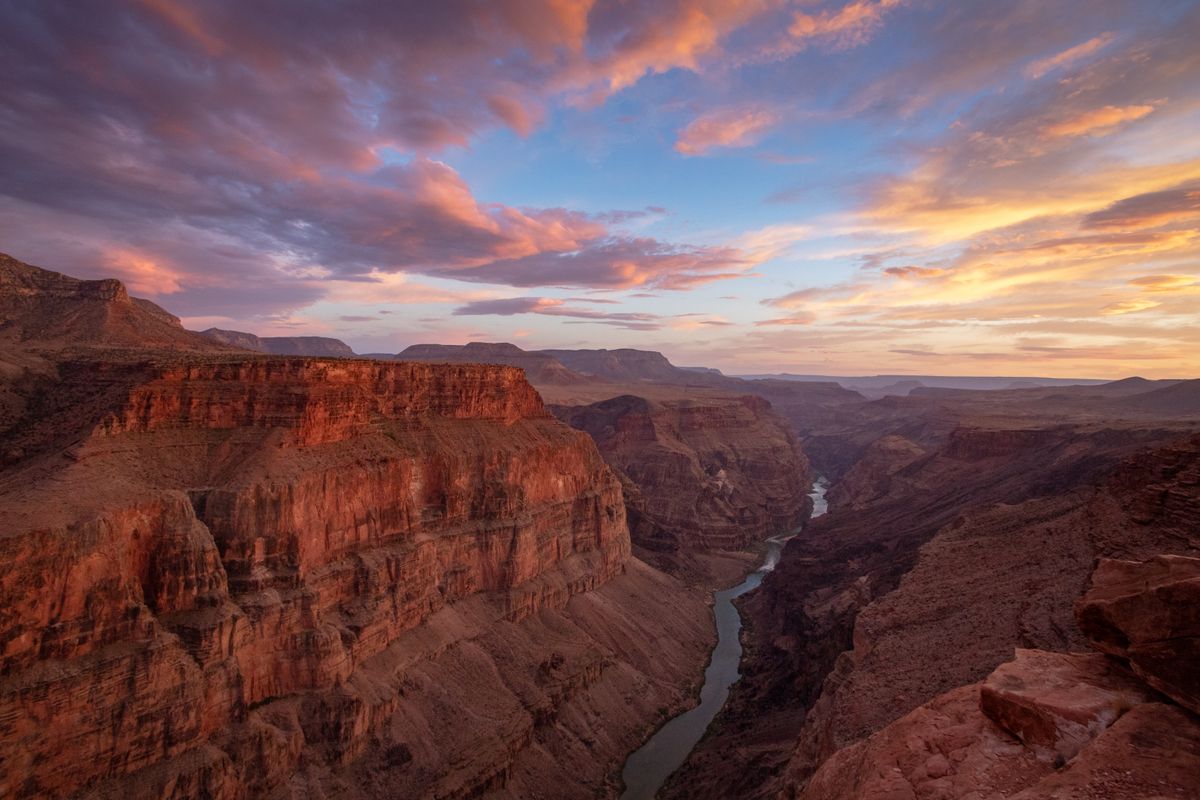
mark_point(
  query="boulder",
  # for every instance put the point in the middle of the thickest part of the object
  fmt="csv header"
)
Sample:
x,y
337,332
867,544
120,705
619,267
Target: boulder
x,y
1148,613
1058,702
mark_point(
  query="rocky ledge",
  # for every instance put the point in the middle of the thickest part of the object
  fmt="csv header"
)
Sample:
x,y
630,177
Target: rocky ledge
x,y
1050,725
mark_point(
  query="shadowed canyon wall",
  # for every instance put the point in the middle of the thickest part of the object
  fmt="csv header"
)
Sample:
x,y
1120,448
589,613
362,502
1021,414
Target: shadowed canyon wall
x,y
699,475
936,560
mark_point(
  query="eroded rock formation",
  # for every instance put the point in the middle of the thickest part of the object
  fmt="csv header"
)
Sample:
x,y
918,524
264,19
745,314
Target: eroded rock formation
x,y
702,474
234,577
1044,725
926,580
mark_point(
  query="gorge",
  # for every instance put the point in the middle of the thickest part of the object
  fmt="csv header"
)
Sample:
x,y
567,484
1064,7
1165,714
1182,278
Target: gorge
x,y
229,573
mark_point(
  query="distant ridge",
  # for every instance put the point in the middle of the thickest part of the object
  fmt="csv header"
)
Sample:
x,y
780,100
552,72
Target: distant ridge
x,y
985,383
323,346
42,308
1180,398
539,368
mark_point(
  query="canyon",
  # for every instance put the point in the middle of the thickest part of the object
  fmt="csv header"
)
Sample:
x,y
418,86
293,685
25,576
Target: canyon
x,y
229,575
481,571
966,527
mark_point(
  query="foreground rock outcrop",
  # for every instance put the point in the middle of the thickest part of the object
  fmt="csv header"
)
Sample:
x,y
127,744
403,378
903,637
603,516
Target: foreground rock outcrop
x,y
1148,613
1044,725
240,576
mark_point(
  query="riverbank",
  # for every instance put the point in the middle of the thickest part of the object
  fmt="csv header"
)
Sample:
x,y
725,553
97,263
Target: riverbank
x,y
649,767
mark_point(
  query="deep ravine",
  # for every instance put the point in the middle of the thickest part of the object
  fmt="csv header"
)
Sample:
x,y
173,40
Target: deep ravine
x,y
648,767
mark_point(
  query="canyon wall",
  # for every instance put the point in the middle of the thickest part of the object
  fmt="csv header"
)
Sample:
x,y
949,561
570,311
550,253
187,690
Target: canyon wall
x,y
245,576
710,473
936,560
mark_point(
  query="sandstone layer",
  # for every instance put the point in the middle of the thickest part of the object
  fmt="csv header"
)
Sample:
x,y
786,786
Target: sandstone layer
x,y
1148,613
699,474
244,576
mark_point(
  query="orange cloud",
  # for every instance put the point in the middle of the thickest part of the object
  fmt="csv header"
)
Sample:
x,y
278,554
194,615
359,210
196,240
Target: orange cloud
x,y
141,273
662,37
724,128
1097,121
1166,283
851,25
1043,66
1128,307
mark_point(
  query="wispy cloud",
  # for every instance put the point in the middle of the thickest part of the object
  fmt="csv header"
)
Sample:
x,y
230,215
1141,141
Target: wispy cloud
x,y
736,127
1072,55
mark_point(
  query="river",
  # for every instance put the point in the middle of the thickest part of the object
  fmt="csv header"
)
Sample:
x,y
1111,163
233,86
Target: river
x,y
648,768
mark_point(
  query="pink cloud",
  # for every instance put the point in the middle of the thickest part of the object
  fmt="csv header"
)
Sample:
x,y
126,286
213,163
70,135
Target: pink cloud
x,y
731,127
1097,120
1072,55
849,26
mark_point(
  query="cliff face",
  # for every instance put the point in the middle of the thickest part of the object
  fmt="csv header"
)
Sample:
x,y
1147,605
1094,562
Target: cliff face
x,y
925,575
718,473
246,576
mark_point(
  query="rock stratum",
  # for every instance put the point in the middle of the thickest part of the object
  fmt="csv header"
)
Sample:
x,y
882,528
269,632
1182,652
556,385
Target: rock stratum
x,y
232,577
699,474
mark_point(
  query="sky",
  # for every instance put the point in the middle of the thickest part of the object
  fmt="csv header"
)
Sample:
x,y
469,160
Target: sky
x,y
872,186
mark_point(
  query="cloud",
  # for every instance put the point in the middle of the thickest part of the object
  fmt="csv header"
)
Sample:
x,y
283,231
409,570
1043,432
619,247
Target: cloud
x,y
797,319
629,41
1097,121
1128,307
1044,66
849,26
910,271
1166,283
731,127
1148,210
148,140
553,307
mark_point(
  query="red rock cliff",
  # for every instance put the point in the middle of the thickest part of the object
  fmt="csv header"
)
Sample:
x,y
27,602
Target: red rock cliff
x,y
256,575
700,474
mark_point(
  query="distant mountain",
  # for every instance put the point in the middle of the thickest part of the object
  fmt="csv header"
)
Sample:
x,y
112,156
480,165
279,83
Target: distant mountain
x,y
1181,398
39,307
1129,387
239,339
624,365
897,389
322,346
539,367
